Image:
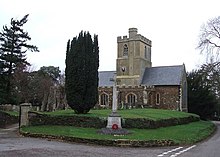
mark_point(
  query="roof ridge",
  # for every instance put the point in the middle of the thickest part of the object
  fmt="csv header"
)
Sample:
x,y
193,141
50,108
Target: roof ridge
x,y
107,71
166,66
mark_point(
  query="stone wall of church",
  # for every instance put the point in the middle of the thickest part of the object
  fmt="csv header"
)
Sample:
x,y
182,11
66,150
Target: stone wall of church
x,y
141,96
169,97
123,92
108,92
137,91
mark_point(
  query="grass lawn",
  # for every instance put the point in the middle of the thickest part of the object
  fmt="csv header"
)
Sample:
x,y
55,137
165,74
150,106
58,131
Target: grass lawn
x,y
180,134
154,114
13,113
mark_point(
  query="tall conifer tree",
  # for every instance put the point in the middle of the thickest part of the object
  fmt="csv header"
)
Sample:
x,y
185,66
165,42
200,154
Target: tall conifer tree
x,y
82,62
13,48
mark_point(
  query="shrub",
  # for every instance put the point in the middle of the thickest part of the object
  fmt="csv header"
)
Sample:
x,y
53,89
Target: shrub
x,y
97,122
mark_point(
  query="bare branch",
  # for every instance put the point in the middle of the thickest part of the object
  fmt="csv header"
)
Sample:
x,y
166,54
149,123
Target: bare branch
x,y
212,43
209,38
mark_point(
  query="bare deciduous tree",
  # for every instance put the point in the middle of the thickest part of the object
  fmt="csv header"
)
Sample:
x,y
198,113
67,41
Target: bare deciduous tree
x,y
209,38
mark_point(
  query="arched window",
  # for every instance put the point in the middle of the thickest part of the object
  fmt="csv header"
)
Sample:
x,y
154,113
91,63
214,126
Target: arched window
x,y
125,51
157,98
104,99
131,99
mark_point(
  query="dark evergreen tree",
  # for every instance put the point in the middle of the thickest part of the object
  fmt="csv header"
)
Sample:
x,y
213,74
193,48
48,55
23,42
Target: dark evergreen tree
x,y
51,71
82,62
201,100
13,48
92,76
2,84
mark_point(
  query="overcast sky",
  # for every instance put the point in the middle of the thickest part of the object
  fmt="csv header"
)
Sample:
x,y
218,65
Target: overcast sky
x,y
173,27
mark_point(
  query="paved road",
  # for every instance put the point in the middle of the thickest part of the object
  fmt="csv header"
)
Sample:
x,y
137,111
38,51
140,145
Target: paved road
x,y
209,148
12,145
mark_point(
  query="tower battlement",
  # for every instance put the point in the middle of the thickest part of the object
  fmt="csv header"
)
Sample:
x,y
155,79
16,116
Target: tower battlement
x,y
134,36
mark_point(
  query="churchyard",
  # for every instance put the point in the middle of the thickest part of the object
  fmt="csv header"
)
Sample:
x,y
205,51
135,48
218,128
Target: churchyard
x,y
147,127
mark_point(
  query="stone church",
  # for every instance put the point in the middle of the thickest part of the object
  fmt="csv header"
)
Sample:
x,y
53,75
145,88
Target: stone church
x,y
139,85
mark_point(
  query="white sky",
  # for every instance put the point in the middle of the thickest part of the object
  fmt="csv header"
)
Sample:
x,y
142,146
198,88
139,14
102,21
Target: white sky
x,y
173,27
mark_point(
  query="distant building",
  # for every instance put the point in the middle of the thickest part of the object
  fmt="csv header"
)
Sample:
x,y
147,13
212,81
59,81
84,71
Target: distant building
x,y
138,83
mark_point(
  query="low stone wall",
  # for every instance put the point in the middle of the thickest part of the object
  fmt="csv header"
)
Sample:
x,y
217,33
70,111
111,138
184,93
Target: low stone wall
x,y
77,121
142,123
7,119
96,122
9,107
116,142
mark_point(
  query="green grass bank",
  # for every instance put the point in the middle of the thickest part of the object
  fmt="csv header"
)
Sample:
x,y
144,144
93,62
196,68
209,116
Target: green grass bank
x,y
165,136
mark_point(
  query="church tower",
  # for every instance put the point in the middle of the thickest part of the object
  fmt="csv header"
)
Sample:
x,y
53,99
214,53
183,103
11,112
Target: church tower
x,y
133,56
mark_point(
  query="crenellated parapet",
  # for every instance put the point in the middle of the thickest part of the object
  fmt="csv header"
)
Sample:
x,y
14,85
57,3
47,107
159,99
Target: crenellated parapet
x,y
138,37
134,36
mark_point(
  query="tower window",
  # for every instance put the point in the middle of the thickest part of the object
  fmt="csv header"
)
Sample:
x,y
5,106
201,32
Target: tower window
x,y
149,52
125,52
145,51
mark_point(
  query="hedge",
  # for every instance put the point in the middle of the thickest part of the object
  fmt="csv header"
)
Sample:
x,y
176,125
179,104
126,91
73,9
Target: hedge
x,y
96,122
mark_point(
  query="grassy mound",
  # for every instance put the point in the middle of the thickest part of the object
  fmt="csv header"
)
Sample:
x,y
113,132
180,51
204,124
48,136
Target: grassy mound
x,y
134,118
152,114
165,129
178,135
